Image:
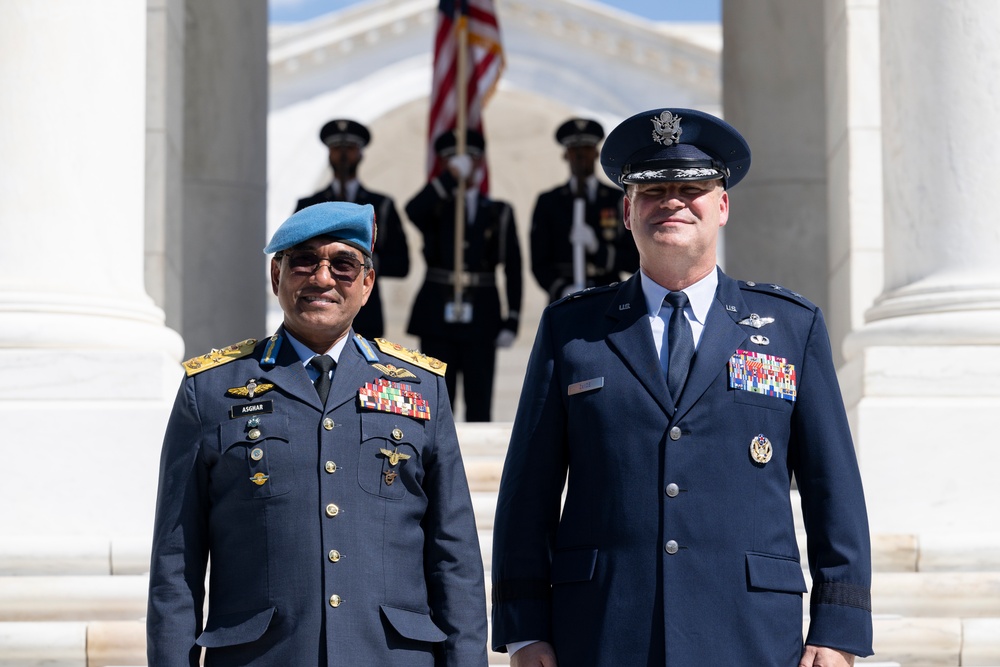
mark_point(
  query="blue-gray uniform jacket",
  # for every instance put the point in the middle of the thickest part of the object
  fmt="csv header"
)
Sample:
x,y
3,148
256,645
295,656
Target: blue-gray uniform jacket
x,y
338,535
676,544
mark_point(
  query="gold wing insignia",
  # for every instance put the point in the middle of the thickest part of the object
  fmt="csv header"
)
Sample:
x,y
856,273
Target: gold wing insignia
x,y
395,372
416,358
394,456
219,357
251,390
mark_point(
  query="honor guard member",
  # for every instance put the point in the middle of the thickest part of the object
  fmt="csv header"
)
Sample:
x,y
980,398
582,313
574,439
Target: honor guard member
x,y
320,474
606,249
678,407
346,141
466,338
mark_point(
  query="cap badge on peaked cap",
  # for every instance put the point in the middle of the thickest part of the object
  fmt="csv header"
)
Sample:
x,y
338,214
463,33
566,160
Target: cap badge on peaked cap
x,y
666,128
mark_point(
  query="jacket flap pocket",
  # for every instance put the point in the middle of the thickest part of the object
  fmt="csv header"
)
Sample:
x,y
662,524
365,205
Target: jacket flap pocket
x,y
413,624
775,573
569,565
237,628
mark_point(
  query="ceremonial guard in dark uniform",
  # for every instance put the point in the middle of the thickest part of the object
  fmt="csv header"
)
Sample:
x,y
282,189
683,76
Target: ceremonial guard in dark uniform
x,y
466,339
346,140
644,514
320,473
607,248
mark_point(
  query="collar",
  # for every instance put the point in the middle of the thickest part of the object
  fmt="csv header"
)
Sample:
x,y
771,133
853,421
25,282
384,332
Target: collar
x,y
591,184
700,295
305,354
351,187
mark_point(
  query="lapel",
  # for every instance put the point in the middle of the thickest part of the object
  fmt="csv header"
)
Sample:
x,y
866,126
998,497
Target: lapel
x,y
632,338
720,338
289,374
353,371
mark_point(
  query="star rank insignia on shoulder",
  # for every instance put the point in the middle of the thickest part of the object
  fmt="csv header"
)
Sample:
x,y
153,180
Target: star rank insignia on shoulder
x,y
219,357
777,290
416,358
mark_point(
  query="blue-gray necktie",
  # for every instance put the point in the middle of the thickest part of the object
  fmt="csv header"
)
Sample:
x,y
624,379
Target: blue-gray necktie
x,y
681,344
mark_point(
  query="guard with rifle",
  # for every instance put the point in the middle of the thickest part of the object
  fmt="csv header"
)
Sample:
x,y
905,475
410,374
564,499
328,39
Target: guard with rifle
x,y
458,314
578,239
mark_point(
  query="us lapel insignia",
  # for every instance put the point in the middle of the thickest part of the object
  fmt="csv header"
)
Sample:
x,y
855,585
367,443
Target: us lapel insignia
x,y
760,449
755,321
396,373
395,397
394,456
625,306
251,389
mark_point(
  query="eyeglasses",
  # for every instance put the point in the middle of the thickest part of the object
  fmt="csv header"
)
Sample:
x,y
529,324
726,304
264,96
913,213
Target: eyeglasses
x,y
342,268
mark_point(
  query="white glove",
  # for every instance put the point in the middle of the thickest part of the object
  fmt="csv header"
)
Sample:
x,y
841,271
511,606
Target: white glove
x,y
460,166
505,338
584,235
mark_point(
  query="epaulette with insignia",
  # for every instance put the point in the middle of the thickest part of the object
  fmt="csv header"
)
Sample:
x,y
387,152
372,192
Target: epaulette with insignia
x,y
414,357
219,357
777,290
588,291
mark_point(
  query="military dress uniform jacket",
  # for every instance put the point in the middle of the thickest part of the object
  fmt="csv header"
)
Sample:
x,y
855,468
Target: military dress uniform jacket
x,y
552,252
676,545
490,241
324,550
391,256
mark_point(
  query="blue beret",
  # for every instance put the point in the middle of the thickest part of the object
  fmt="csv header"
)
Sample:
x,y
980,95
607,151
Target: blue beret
x,y
675,145
353,224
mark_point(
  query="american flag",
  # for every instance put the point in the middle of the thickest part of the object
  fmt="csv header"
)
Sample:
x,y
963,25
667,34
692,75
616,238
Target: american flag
x,y
485,62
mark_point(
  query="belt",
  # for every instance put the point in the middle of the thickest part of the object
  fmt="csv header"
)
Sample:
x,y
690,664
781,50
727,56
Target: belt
x,y
469,278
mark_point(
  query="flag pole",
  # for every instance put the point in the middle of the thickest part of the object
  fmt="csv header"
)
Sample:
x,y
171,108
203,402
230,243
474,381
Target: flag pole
x,y
461,122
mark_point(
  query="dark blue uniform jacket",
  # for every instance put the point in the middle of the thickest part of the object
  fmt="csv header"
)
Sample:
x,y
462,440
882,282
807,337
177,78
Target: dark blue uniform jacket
x,y
675,545
299,507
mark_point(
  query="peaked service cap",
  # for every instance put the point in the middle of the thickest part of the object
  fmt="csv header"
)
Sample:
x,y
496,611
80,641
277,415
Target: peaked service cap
x,y
675,145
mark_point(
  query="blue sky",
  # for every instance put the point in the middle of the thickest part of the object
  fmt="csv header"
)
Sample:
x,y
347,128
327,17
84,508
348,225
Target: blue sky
x,y
287,11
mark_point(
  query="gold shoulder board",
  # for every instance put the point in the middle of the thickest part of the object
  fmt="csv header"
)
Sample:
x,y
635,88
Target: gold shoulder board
x,y
414,357
219,357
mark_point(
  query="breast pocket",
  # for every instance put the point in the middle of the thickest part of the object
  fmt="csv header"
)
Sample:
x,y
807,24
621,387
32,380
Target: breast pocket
x,y
390,457
257,454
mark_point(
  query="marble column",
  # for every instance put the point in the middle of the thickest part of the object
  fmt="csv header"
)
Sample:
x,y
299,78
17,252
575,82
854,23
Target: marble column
x,y
921,378
89,367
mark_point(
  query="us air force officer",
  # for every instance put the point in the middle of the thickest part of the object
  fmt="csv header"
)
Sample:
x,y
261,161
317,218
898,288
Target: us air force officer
x,y
681,404
321,475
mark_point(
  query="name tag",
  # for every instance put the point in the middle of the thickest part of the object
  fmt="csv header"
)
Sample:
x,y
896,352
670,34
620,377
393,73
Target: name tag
x,y
586,385
258,408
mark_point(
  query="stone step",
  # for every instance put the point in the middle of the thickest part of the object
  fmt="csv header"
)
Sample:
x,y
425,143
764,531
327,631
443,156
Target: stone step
x,y
913,642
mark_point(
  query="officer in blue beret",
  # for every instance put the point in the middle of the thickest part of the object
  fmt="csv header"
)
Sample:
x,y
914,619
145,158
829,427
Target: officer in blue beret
x,y
677,407
320,473
577,236
466,338
346,140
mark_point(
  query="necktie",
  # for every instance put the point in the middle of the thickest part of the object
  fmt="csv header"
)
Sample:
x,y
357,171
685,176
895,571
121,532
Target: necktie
x,y
323,363
681,344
